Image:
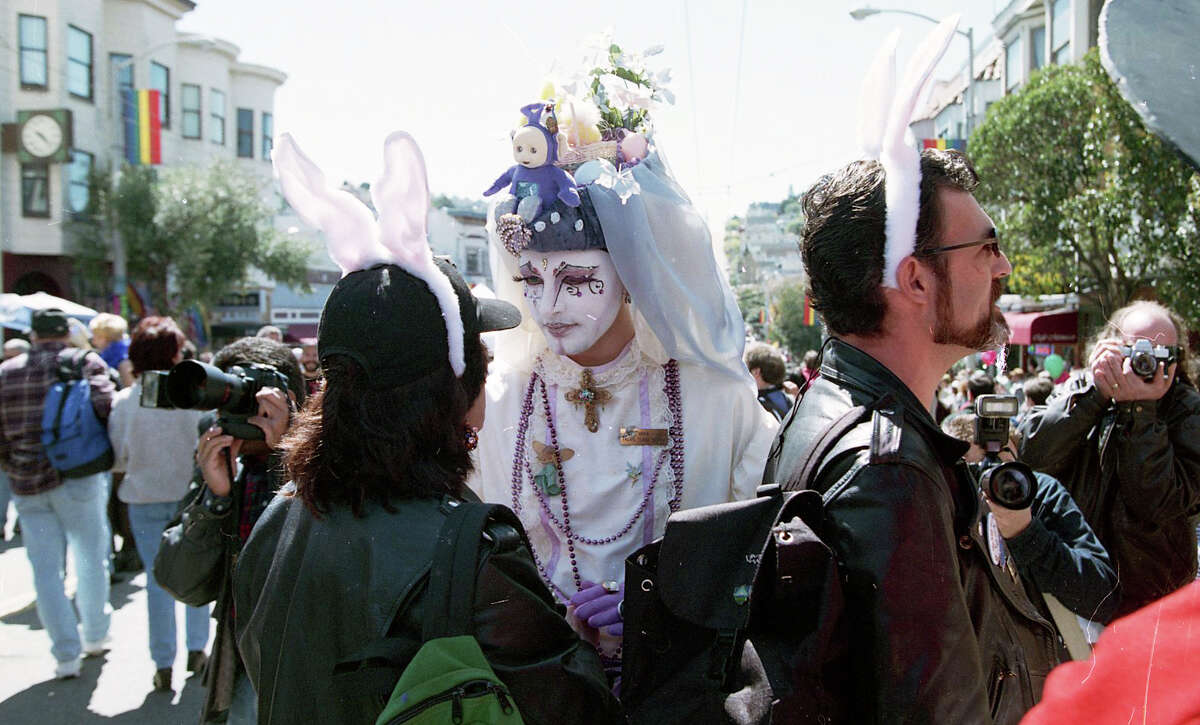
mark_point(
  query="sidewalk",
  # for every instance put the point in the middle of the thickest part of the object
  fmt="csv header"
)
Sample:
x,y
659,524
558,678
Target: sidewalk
x,y
114,688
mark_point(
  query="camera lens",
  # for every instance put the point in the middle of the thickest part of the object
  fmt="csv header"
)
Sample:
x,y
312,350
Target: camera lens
x,y
1011,485
1143,364
195,385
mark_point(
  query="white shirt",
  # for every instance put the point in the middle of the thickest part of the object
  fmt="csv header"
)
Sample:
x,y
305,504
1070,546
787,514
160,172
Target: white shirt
x,y
154,447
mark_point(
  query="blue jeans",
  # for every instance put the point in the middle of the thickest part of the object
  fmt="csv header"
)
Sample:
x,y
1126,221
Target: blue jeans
x,y
148,521
71,515
243,707
5,496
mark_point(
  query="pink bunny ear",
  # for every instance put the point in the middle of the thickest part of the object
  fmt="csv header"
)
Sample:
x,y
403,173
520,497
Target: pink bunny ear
x,y
901,160
876,96
401,197
348,225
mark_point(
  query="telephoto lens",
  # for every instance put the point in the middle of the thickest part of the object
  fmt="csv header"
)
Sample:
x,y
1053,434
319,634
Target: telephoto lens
x,y
1011,485
198,386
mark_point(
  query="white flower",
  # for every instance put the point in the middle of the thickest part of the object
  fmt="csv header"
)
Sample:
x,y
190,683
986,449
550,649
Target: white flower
x,y
623,95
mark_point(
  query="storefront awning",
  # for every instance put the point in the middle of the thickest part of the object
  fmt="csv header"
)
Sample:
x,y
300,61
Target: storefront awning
x,y
1051,326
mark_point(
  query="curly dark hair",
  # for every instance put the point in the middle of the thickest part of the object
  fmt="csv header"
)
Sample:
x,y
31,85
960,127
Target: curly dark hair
x,y
264,351
154,344
355,443
844,236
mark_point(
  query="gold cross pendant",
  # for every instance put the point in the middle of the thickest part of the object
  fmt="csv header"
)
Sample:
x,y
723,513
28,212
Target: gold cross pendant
x,y
589,396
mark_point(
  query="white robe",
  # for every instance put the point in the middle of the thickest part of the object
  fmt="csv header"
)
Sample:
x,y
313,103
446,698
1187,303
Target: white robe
x,y
727,436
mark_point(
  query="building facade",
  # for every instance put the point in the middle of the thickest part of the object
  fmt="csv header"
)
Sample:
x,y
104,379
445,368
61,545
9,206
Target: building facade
x,y
70,60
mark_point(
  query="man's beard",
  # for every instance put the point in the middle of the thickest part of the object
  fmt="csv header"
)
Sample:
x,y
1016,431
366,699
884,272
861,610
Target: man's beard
x,y
989,333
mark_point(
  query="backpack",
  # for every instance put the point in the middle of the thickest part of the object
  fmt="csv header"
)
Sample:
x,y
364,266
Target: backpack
x,y
449,680
76,441
734,615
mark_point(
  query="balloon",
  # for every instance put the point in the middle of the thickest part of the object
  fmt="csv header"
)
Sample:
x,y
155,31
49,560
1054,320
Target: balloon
x,y
1054,364
988,357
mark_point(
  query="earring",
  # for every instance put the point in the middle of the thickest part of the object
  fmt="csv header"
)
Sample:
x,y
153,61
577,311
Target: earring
x,y
628,299
471,437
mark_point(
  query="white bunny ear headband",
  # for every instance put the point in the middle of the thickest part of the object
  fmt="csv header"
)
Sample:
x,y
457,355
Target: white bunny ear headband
x,y
884,112
356,239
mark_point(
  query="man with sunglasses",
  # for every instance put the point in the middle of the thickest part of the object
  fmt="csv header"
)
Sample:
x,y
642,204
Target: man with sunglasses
x,y
1127,447
939,625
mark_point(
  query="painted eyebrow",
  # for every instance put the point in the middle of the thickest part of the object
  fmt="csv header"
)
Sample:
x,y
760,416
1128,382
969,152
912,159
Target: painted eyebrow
x,y
566,268
528,270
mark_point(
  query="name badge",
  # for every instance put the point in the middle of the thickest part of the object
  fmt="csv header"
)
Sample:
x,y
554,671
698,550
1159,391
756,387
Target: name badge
x,y
643,436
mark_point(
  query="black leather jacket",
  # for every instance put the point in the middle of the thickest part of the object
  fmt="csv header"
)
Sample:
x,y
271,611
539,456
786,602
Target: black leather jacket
x,y
311,593
1134,471
938,633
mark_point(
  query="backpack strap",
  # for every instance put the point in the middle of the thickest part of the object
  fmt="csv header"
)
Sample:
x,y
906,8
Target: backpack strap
x,y
450,598
804,473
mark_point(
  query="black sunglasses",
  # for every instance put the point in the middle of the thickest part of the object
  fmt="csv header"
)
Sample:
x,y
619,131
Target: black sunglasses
x,y
992,244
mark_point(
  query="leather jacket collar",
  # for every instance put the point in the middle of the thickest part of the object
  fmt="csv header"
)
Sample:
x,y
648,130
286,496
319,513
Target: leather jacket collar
x,y
851,368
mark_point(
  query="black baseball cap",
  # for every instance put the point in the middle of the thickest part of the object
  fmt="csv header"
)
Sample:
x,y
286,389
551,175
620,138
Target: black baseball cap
x,y
51,322
391,324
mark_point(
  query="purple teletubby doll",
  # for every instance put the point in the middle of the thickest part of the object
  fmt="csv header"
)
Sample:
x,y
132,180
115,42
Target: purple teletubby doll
x,y
535,148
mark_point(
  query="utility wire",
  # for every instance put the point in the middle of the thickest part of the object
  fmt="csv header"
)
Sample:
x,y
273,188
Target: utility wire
x,y
687,29
737,93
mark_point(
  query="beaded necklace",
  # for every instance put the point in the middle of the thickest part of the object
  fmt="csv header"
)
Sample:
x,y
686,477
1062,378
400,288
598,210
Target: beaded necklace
x,y
521,470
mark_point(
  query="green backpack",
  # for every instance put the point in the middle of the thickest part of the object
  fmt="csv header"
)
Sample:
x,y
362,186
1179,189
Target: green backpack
x,y
449,680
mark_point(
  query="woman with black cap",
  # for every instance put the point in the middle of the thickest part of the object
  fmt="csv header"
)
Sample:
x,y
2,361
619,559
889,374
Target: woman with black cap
x,y
339,563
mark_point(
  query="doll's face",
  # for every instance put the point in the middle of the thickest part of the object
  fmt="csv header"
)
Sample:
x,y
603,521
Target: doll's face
x,y
529,147
573,296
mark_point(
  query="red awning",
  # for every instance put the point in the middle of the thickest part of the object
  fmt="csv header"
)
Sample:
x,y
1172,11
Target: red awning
x,y
1051,326
298,331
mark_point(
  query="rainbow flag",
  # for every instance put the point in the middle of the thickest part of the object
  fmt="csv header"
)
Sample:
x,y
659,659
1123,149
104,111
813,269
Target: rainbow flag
x,y
810,315
143,127
132,307
959,144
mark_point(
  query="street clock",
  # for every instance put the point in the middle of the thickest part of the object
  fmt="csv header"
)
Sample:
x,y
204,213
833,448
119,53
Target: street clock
x,y
44,135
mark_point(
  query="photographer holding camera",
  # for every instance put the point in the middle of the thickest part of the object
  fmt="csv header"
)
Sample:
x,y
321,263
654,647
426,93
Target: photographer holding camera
x,y
1124,438
237,474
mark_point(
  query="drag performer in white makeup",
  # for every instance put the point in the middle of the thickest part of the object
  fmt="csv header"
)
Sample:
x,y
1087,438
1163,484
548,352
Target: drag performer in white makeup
x,y
623,397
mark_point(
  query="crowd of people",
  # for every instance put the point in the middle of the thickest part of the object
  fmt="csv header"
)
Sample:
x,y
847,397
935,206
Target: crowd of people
x,y
397,521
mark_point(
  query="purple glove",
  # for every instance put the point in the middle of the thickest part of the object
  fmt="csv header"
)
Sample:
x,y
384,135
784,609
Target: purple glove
x,y
600,607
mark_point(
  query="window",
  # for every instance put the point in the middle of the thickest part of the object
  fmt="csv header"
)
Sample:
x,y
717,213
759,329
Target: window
x,y
160,80
35,190
77,181
79,62
476,260
191,110
122,77
268,133
1060,31
216,119
32,30
1038,40
1012,64
245,137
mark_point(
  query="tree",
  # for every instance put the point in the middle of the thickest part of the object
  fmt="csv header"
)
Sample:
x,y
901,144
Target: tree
x,y
202,229
752,301
1087,198
787,322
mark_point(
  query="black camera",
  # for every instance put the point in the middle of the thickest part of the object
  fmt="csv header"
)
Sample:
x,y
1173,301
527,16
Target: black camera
x,y
1010,484
1144,357
197,386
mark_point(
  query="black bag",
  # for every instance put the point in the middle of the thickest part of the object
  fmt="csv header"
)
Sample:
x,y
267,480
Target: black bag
x,y
734,615
188,566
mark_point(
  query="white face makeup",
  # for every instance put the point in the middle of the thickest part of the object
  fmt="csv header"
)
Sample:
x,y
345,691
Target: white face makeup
x,y
573,296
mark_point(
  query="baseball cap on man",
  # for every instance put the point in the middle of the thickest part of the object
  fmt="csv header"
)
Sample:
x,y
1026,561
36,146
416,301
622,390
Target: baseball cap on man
x,y
51,322
391,324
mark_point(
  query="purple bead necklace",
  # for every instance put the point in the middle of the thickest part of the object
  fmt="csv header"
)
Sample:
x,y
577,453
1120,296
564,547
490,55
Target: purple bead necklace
x,y
675,454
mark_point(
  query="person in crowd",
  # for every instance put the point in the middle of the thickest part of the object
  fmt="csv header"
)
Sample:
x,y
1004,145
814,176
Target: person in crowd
x,y
218,522
1037,392
14,347
110,337
979,383
310,364
939,631
57,513
270,332
1051,542
623,397
376,460
153,450
810,369
1128,450
767,366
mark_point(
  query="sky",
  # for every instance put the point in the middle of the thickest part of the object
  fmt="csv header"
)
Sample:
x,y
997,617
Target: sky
x,y
766,91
